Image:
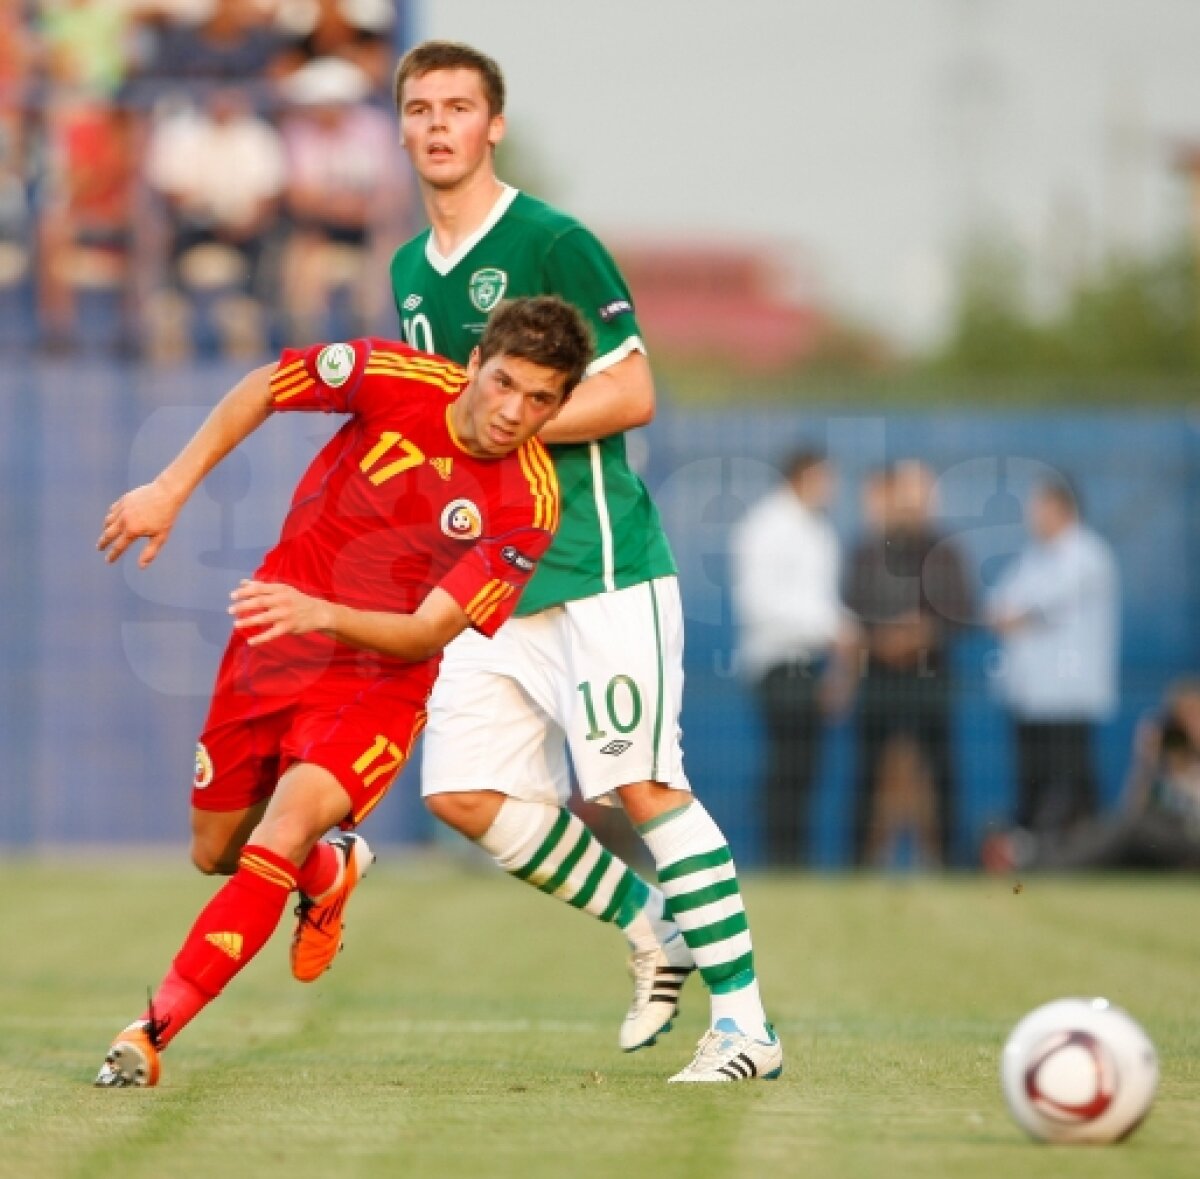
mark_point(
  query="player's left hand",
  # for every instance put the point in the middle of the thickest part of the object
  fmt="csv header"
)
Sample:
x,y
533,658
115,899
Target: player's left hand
x,y
280,609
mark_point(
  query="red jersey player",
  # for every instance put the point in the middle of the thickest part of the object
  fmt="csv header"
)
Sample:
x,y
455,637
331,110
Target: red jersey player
x,y
425,514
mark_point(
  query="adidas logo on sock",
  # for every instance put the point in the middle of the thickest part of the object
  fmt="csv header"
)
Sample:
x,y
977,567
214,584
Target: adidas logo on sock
x,y
227,943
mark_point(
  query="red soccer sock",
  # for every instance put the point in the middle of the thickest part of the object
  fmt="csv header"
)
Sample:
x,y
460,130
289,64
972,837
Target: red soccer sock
x,y
319,872
175,1004
231,930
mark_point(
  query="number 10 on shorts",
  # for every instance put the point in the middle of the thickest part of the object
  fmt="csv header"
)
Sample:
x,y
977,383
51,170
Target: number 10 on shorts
x,y
622,703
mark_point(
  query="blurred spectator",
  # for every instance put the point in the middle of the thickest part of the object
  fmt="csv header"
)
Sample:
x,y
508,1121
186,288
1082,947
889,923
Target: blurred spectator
x,y
1158,822
1056,612
786,561
17,58
221,172
86,44
359,31
908,585
231,43
343,185
86,230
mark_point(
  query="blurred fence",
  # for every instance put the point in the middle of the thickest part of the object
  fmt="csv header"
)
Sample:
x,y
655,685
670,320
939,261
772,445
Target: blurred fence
x,y
107,670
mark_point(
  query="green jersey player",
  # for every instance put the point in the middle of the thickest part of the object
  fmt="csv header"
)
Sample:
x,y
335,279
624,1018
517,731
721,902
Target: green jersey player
x,y
594,662
611,537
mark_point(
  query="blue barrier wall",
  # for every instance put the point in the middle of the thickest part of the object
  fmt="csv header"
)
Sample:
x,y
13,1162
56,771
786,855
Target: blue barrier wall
x,y
107,669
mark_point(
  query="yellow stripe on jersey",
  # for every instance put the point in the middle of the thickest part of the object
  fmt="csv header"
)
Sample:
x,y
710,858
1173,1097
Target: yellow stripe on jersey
x,y
450,390
478,608
414,375
532,478
487,589
490,608
269,872
485,603
289,380
543,484
429,363
545,464
290,389
448,386
287,370
449,378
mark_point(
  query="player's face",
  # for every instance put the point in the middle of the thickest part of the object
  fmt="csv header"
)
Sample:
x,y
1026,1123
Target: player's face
x,y
447,128
507,402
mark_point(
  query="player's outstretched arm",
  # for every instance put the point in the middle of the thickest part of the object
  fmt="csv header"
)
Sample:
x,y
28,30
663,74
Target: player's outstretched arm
x,y
611,401
284,610
149,511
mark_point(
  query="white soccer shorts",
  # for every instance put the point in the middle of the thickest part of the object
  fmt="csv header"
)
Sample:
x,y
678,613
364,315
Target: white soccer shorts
x,y
602,677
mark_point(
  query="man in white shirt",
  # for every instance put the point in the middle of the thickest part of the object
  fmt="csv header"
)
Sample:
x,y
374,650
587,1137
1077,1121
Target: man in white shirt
x,y
1056,612
786,561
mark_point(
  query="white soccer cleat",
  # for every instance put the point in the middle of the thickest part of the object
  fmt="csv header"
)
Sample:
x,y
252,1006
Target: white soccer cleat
x,y
658,978
726,1053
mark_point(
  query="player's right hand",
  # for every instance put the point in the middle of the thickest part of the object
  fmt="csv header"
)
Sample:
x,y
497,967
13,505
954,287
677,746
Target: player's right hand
x,y
148,511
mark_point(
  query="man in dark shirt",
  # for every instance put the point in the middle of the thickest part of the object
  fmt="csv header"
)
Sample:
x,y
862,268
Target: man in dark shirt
x,y
907,583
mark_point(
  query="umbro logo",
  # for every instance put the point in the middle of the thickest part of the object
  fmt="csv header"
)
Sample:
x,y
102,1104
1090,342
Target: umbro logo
x,y
443,466
616,748
227,943
412,302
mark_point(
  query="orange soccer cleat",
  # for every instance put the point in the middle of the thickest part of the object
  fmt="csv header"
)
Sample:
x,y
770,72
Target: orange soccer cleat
x,y
318,936
132,1061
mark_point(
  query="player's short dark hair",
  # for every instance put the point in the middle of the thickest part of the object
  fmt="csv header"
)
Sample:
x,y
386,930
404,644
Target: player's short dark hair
x,y
450,55
544,330
802,460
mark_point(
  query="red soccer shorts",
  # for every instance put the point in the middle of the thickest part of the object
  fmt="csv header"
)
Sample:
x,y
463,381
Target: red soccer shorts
x,y
266,716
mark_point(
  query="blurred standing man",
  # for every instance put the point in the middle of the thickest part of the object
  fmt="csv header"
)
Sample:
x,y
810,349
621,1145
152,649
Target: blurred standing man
x,y
786,565
1056,612
908,585
595,660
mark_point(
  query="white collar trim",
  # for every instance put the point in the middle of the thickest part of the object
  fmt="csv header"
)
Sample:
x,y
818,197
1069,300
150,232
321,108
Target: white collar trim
x,y
444,265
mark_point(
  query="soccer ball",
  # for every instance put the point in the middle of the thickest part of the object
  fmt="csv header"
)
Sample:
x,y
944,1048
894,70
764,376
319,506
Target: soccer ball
x,y
1079,1070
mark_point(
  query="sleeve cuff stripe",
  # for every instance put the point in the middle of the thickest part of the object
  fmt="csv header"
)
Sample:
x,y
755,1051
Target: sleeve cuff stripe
x,y
485,612
280,381
287,369
302,387
630,344
476,601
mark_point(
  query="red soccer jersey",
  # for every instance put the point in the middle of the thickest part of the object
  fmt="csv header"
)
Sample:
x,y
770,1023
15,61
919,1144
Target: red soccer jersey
x,y
393,505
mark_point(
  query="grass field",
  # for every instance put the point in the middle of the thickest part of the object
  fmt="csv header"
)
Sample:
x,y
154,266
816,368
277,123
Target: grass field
x,y
469,1031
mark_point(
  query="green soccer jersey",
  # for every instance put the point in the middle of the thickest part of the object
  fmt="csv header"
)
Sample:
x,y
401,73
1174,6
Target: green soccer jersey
x,y
610,536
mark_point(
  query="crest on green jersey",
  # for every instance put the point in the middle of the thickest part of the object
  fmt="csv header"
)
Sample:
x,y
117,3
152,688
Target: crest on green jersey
x,y
487,288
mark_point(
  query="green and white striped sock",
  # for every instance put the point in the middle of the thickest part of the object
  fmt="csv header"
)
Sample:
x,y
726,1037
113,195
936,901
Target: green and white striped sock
x,y
698,877
551,849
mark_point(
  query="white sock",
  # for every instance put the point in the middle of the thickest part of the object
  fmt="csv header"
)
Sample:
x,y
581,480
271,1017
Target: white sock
x,y
698,877
551,849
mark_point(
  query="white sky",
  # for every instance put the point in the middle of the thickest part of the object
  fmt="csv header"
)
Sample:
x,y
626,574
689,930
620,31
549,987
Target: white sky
x,y
858,135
